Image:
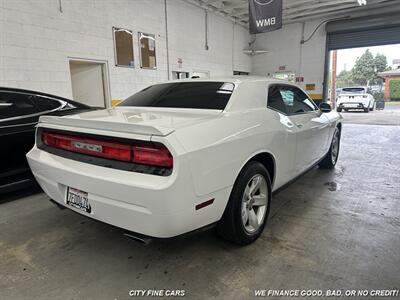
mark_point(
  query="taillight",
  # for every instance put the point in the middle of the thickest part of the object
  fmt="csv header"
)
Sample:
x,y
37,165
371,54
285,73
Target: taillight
x,y
152,156
146,154
93,147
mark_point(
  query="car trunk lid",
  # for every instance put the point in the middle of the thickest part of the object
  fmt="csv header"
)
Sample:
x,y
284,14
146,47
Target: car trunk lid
x,y
142,121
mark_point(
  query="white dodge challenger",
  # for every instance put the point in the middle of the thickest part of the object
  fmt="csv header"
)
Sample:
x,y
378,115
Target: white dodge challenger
x,y
181,155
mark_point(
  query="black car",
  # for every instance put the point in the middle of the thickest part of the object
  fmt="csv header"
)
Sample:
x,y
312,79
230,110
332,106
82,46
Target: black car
x,y
19,113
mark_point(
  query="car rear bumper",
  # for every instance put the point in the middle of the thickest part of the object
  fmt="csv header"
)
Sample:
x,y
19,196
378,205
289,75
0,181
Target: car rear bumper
x,y
151,205
353,105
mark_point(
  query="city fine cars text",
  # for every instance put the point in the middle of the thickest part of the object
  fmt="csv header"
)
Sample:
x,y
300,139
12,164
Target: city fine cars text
x,y
326,293
157,293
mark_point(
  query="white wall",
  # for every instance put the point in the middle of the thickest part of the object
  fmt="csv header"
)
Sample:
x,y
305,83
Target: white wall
x,y
36,41
284,48
186,34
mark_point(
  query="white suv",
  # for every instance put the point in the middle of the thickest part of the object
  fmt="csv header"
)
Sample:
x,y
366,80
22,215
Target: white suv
x,y
355,98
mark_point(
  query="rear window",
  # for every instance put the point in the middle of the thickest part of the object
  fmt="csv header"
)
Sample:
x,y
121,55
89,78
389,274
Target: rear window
x,y
353,90
197,95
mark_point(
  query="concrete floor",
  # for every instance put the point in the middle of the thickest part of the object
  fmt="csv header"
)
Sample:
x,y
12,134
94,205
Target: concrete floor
x,y
336,229
388,116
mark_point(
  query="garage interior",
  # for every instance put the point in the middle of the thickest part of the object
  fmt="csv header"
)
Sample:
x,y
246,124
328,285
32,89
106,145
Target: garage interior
x,y
329,230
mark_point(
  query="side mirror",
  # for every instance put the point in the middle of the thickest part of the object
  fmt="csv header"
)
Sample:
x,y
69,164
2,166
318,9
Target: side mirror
x,y
325,107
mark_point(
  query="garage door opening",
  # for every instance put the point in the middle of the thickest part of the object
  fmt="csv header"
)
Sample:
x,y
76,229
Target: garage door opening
x,y
370,70
89,82
366,80
380,33
360,54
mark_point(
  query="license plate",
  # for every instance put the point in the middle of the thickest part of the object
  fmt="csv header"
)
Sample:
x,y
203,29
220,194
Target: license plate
x,y
78,199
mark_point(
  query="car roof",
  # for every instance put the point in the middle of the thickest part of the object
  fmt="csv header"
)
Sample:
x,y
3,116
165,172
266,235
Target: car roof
x,y
237,79
25,91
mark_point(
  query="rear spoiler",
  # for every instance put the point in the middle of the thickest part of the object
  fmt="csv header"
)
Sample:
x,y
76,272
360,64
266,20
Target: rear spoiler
x,y
107,125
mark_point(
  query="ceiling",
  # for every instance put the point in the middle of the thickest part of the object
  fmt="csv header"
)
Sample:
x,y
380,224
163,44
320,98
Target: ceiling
x,y
297,10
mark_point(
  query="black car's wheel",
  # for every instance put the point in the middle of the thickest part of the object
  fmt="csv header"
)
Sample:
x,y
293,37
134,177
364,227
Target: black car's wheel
x,y
247,210
366,110
330,159
338,109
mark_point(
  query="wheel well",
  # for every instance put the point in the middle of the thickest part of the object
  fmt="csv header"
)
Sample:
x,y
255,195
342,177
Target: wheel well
x,y
268,161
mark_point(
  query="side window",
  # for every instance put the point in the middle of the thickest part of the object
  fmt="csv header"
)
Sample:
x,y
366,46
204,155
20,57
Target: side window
x,y
15,105
275,99
46,104
287,96
301,102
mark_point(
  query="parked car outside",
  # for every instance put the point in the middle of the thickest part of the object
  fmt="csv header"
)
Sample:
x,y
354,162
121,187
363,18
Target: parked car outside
x,y
355,98
19,114
181,155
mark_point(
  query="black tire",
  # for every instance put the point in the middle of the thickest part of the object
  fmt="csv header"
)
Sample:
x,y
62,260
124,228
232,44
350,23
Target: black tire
x,y
366,110
329,161
338,109
231,226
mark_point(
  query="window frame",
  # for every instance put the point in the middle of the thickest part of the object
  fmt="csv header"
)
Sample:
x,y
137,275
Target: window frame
x,y
60,104
316,108
291,86
114,29
38,113
143,34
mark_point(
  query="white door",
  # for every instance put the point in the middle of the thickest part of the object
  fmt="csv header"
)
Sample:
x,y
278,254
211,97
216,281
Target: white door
x,y
87,80
287,138
313,130
312,127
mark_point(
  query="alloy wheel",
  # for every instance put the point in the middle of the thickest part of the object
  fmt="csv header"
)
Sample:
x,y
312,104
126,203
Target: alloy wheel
x,y
335,146
254,203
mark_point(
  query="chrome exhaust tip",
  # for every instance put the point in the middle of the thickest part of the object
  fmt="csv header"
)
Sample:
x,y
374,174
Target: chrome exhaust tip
x,y
138,237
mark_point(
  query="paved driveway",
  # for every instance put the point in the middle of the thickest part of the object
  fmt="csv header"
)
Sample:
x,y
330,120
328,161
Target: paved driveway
x,y
389,116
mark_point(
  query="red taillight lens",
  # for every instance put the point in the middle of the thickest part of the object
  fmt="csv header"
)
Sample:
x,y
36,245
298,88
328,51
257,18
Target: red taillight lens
x,y
152,156
92,147
56,141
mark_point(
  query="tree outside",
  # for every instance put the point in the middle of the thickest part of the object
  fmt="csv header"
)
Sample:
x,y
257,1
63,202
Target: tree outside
x,y
344,79
363,72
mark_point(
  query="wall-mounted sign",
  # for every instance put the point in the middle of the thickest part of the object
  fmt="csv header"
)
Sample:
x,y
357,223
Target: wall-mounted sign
x,y
179,61
310,86
282,68
265,15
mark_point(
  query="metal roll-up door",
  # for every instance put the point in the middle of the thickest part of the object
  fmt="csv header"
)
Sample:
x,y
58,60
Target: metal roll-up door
x,y
363,32
364,38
